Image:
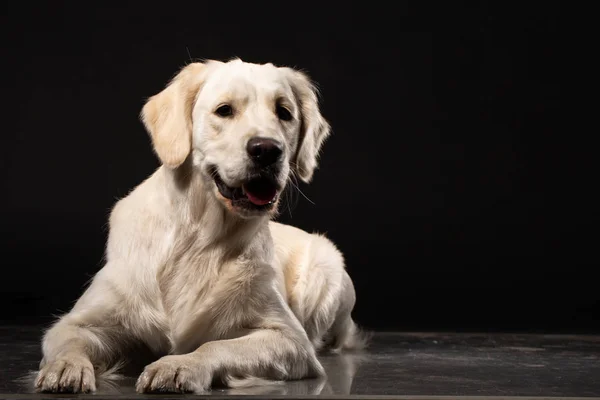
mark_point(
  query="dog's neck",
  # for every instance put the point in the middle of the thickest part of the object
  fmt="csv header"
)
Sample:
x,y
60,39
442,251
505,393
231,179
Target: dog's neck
x,y
199,211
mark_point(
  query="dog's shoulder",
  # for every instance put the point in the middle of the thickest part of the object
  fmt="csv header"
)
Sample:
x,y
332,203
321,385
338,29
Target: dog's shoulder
x,y
141,220
147,199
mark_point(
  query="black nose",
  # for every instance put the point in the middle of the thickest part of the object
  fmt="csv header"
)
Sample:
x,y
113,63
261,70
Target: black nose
x,y
263,151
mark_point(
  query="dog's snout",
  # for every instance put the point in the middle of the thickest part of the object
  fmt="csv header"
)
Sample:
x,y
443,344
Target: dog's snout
x,y
264,151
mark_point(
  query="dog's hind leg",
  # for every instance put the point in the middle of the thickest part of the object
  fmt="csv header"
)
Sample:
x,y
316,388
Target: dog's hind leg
x,y
344,333
323,297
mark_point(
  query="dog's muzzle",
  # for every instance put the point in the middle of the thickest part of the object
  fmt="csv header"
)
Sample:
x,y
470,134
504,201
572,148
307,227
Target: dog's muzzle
x,y
259,191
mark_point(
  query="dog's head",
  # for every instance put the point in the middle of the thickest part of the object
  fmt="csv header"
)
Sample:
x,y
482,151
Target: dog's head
x,y
245,127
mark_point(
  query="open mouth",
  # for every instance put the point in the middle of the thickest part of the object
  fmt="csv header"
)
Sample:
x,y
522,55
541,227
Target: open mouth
x,y
257,193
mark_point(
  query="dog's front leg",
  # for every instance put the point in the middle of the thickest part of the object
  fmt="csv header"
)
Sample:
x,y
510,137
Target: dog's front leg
x,y
77,347
85,342
272,354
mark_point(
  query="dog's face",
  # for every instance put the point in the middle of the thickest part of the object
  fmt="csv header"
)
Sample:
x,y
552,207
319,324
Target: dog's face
x,y
245,126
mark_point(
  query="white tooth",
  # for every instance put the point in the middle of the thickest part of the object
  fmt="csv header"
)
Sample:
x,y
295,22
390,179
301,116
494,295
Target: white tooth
x,y
244,189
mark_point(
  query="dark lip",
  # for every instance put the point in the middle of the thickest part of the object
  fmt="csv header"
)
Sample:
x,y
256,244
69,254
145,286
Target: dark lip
x,y
236,195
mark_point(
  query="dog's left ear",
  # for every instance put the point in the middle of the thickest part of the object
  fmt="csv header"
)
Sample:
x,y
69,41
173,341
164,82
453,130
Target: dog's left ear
x,y
314,128
167,116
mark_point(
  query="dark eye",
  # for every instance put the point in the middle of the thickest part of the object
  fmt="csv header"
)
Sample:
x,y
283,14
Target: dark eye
x,y
283,113
224,110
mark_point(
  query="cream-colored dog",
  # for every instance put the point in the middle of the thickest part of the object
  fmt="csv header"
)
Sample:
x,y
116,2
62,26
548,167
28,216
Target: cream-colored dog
x,y
195,270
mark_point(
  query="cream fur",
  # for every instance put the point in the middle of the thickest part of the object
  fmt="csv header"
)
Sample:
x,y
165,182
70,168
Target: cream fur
x,y
219,294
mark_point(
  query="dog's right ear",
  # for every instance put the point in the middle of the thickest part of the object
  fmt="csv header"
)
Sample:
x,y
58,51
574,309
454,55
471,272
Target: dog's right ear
x,y
167,116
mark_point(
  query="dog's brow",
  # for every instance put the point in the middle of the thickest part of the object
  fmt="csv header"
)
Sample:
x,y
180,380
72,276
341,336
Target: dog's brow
x,y
284,99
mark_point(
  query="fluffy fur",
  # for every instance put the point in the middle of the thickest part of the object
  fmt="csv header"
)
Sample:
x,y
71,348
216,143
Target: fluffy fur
x,y
221,294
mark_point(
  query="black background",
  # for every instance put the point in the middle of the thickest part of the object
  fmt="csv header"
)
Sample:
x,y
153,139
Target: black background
x,y
458,200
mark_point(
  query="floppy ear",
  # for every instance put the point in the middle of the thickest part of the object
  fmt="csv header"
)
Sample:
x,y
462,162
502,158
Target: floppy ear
x,y
167,116
314,128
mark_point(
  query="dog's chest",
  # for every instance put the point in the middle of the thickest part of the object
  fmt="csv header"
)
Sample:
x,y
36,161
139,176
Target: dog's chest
x,y
187,279
192,286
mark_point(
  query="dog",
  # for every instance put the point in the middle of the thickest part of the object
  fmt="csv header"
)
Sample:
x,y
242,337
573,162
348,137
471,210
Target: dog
x,y
196,268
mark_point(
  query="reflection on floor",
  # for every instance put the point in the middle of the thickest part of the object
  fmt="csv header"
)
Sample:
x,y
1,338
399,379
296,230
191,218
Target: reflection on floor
x,y
396,365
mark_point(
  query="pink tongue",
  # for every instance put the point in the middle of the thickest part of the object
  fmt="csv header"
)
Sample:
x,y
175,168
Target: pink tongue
x,y
263,197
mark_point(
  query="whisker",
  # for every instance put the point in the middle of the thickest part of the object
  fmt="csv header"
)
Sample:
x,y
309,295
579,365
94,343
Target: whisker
x,y
300,191
286,197
294,188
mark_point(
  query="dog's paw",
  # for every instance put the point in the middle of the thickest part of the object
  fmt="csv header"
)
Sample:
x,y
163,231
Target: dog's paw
x,y
175,374
66,375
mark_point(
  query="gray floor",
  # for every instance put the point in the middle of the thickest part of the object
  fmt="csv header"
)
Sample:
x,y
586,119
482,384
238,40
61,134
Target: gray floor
x,y
397,365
